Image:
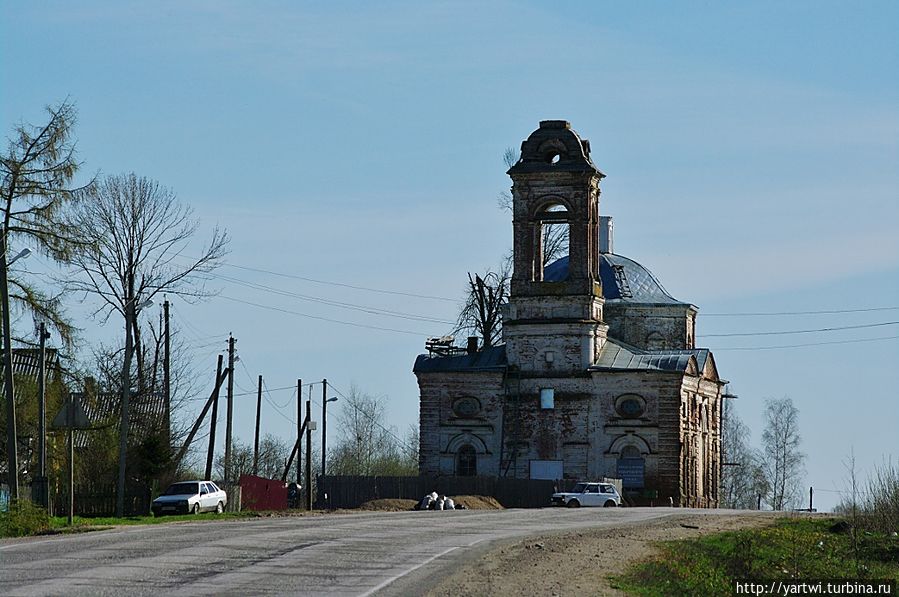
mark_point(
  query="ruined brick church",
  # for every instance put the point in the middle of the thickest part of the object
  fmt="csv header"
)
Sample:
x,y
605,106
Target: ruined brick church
x,y
598,374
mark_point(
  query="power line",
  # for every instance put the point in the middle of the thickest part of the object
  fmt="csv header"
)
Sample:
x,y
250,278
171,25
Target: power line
x,y
297,313
824,312
784,333
333,303
339,284
268,393
808,344
373,420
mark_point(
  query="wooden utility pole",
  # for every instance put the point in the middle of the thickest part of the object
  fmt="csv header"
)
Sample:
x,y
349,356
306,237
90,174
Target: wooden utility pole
x,y
258,413
230,409
126,400
199,421
309,450
299,429
215,415
43,487
324,423
166,375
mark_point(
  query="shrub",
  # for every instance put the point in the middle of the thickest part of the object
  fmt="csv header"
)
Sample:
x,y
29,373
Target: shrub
x,y
23,518
882,507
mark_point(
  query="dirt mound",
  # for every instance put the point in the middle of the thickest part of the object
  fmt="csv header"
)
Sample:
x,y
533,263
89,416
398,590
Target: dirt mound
x,y
389,505
471,502
477,502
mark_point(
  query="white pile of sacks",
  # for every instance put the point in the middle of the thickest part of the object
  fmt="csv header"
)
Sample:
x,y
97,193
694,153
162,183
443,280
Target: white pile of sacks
x,y
432,501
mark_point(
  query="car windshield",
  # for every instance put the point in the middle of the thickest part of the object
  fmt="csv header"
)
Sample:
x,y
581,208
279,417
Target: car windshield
x,y
579,488
183,489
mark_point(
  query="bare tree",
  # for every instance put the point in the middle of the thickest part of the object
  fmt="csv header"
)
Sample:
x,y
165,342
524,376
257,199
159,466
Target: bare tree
x,y
137,234
36,184
782,458
366,446
742,479
481,315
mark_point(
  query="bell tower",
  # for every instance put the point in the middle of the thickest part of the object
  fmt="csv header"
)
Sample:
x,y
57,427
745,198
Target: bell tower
x,y
554,320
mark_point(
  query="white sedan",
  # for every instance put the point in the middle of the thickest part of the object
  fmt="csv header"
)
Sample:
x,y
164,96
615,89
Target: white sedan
x,y
190,497
588,494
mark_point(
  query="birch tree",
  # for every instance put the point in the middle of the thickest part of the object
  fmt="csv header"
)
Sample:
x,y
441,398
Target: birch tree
x,y
742,479
783,461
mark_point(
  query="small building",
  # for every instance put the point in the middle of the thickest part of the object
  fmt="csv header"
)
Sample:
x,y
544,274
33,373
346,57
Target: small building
x,y
598,374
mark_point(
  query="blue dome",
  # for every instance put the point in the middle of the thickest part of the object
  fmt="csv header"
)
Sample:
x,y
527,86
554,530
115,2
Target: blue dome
x,y
622,279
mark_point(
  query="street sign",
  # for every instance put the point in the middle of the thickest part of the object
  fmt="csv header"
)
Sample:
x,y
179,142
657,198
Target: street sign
x,y
71,416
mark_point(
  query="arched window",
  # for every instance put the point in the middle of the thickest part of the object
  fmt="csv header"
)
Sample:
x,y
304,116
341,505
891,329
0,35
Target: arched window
x,y
552,233
466,461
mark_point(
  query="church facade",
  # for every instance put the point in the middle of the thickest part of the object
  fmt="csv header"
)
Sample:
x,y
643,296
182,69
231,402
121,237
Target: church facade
x,y
598,374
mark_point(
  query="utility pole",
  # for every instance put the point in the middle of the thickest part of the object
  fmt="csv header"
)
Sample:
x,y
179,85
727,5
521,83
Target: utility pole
x,y
258,413
210,453
299,429
12,457
166,375
43,487
230,409
309,450
324,423
126,399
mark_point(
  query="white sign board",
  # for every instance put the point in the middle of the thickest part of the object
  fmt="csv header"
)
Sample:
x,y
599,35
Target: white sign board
x,y
546,469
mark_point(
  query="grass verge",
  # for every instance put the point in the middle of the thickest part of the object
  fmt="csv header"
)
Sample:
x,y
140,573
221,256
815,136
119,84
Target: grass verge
x,y
61,524
791,549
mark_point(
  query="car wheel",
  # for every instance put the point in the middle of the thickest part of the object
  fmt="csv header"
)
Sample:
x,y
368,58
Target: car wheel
x,y
219,508
574,504
610,504
196,509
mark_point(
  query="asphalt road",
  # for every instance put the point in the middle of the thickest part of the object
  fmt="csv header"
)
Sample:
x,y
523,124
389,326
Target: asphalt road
x,y
339,554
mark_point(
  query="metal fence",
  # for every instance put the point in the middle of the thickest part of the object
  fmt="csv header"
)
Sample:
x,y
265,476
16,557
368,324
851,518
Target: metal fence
x,y
352,492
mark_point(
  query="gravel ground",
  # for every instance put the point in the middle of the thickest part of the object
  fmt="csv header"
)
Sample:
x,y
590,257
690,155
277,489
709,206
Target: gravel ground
x,y
580,563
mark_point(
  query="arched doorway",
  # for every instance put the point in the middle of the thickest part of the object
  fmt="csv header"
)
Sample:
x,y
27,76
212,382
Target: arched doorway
x,y
631,467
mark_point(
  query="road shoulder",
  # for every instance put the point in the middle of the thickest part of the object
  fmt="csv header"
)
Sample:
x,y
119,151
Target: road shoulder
x,y
579,562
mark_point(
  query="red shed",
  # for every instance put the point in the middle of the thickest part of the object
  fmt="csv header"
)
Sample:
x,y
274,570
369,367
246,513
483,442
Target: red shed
x,y
259,493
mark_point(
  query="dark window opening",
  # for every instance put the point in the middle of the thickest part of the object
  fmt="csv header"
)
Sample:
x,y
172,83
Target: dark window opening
x,y
466,462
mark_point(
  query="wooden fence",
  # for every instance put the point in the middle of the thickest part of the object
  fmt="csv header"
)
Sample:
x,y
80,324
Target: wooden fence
x,y
100,500
352,492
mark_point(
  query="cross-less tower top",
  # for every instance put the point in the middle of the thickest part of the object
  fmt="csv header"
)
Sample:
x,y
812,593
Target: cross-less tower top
x,y
555,183
555,189
554,147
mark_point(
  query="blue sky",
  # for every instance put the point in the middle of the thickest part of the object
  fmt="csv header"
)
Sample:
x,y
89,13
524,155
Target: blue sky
x,y
751,151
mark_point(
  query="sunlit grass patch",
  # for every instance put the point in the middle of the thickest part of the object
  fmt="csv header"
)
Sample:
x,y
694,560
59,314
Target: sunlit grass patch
x,y
792,548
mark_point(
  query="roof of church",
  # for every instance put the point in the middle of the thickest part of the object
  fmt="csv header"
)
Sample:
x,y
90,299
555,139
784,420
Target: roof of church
x,y
615,355
618,355
488,359
623,280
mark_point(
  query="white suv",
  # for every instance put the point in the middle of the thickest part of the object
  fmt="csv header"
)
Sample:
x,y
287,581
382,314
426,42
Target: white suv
x,y
588,494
